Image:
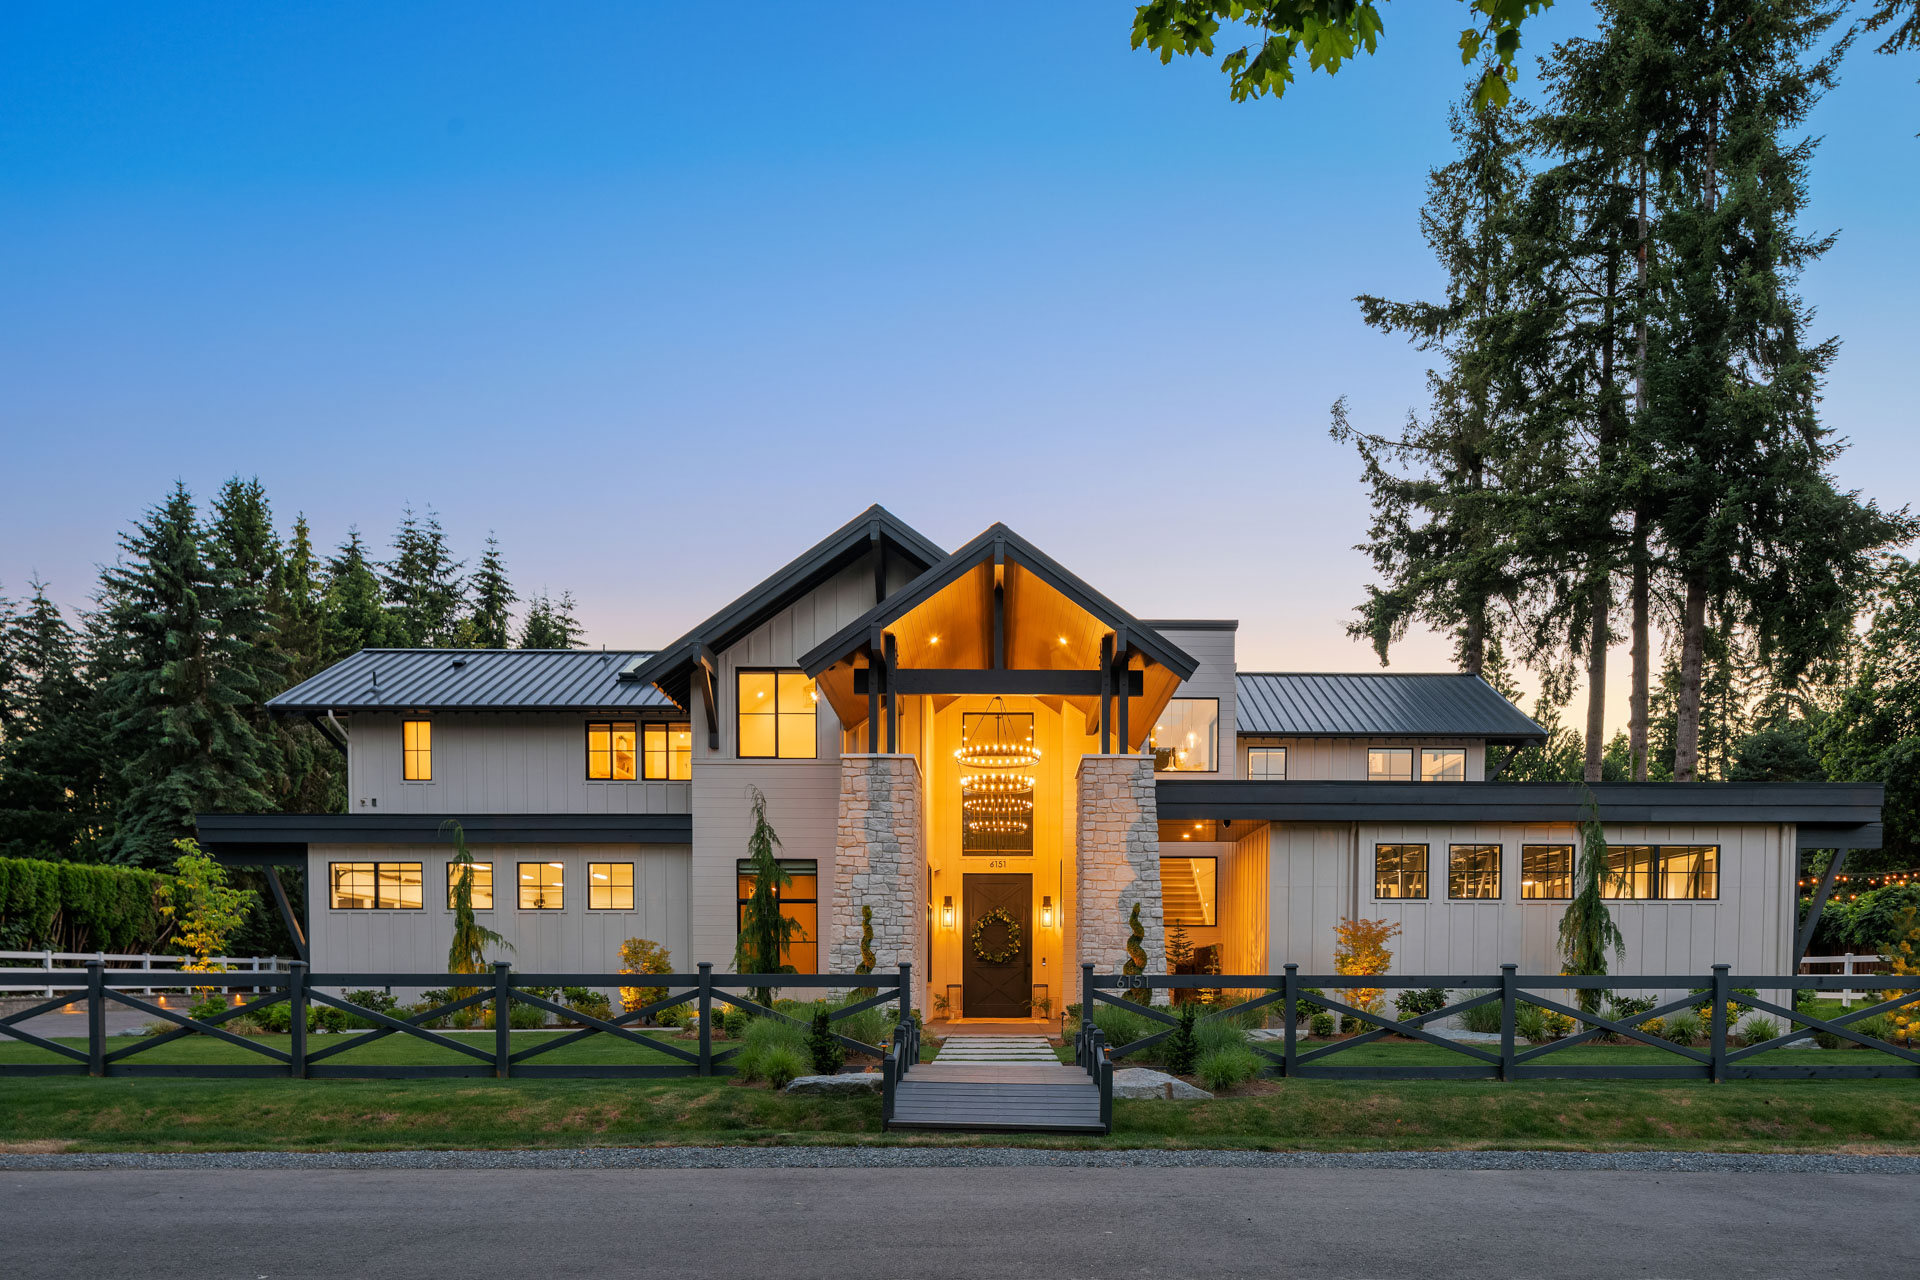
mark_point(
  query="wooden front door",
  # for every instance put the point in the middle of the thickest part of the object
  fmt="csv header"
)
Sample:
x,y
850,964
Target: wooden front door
x,y
1003,989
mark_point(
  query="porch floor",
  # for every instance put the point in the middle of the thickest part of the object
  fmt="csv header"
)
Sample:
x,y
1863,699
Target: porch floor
x,y
998,1084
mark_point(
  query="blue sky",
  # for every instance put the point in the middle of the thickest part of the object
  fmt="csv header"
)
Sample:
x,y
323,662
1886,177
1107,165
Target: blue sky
x,y
660,295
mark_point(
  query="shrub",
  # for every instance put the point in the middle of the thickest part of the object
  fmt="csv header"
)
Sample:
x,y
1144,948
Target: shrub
x,y
869,1026
1681,1028
244,1026
1212,1035
1827,1039
1758,1028
324,1017
80,906
1412,1004
1540,1026
1350,1025
1179,1051
781,1064
1484,1019
762,1038
1880,1027
1360,948
1119,1025
676,1016
1321,1025
826,1052
641,955
276,1018
378,1001
1227,1067
525,1017
589,1001
212,1007
733,1022
1622,1008
1307,1004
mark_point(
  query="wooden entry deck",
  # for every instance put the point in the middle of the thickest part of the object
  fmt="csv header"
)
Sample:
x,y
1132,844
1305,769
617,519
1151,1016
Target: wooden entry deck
x,y
998,1084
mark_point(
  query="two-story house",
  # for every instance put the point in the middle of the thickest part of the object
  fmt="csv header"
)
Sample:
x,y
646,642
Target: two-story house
x,y
992,764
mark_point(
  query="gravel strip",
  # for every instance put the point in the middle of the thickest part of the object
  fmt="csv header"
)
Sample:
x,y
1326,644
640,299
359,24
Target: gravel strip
x,y
973,1157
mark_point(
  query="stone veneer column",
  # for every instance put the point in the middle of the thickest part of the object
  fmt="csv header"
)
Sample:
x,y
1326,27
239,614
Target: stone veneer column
x,y
879,862
1118,864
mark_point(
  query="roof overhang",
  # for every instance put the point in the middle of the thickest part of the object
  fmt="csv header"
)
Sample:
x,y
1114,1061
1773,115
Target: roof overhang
x,y
259,839
1828,815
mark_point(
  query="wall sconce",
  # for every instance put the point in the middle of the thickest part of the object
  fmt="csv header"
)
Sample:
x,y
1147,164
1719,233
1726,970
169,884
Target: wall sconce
x,y
1046,913
946,912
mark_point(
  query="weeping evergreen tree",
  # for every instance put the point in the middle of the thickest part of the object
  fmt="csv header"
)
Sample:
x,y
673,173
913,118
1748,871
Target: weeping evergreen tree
x,y
766,932
1587,931
468,951
490,625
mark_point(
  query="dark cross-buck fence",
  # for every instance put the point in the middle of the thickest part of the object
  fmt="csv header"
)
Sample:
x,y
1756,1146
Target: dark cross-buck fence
x,y
497,991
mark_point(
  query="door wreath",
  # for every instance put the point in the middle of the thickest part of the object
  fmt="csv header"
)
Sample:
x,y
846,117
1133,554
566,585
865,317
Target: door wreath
x,y
998,915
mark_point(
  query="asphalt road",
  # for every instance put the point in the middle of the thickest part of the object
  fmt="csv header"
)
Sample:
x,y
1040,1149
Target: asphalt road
x,y
921,1223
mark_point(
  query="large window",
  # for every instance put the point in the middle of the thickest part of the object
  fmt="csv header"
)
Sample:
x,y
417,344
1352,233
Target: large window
x,y
1399,871
1630,871
609,886
1389,764
1267,764
775,715
1473,871
996,805
543,886
481,895
1443,764
375,886
1668,872
1436,764
799,902
1189,891
416,750
610,751
1186,737
668,751
1546,871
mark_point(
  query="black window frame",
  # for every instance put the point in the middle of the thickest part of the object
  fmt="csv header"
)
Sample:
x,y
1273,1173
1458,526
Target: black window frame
x,y
667,727
1213,749
1499,857
612,727
632,886
793,867
813,712
1425,872
1286,762
406,752
376,865
477,867
519,904
1571,856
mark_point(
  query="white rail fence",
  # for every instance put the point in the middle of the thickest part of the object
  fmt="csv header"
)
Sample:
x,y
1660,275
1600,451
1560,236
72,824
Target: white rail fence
x,y
126,972
1850,966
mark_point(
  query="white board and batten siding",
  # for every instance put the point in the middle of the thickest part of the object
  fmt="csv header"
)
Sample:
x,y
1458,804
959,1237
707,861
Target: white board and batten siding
x,y
573,939
1321,872
495,762
1345,759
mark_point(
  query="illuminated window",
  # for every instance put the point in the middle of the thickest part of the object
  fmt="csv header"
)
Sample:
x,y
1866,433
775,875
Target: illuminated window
x,y
1473,871
369,886
542,886
1546,871
996,806
1389,764
1399,871
775,715
1629,871
1444,764
416,750
1690,872
1189,891
1186,737
609,886
668,751
610,754
480,897
1267,764
799,902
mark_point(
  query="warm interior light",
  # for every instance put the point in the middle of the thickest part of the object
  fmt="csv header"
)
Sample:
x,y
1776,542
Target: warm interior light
x,y
998,747
1063,639
946,912
933,639
1046,913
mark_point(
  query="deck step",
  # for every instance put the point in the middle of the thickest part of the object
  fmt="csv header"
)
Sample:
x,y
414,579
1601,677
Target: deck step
x,y
998,1084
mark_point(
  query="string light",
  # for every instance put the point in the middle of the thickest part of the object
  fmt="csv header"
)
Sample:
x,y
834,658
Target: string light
x,y
998,748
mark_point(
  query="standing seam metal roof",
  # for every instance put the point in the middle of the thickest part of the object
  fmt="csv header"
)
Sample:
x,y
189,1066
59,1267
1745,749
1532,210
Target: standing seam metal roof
x,y
474,680
1377,704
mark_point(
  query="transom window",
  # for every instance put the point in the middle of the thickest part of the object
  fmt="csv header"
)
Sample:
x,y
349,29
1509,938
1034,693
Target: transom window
x,y
609,886
480,896
1186,737
667,750
375,886
1473,871
1436,764
543,886
1546,871
416,750
1267,764
1685,873
799,902
775,715
1399,871
610,751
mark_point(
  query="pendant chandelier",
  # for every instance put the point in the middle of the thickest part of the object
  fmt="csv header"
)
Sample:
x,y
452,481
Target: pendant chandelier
x,y
1002,742
997,826
984,786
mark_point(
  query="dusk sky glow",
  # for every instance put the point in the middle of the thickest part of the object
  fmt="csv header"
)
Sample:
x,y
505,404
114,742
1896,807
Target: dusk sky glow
x,y
660,304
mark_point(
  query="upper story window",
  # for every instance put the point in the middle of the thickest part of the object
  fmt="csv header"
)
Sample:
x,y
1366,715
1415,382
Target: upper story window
x,y
1186,737
480,893
1389,764
1443,764
667,750
774,715
610,751
371,886
1672,872
1267,764
1436,764
416,750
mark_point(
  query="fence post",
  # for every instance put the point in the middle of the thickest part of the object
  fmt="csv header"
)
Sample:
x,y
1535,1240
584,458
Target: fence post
x,y
706,1012
1846,996
502,1018
1086,1002
1289,1010
96,1017
1508,987
297,1018
1717,1041
906,993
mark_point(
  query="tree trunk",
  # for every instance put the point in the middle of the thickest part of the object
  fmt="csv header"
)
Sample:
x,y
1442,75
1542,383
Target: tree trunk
x,y
1598,638
1693,647
1473,643
1642,652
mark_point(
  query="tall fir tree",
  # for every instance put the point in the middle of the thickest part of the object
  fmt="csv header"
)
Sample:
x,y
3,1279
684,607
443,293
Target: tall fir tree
x,y
354,616
550,624
490,625
298,602
51,784
425,592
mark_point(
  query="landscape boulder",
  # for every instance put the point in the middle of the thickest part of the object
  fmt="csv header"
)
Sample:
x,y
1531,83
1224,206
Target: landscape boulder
x,y
836,1086
1142,1082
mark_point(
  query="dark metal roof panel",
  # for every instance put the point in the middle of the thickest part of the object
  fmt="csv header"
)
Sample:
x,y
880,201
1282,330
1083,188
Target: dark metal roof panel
x,y
1384,704
474,680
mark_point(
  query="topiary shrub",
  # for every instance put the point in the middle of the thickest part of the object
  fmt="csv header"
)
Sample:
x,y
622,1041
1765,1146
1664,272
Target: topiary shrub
x,y
826,1052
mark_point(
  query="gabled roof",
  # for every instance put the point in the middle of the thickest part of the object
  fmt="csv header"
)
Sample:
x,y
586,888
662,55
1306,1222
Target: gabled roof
x,y
473,680
1378,704
1001,542
671,669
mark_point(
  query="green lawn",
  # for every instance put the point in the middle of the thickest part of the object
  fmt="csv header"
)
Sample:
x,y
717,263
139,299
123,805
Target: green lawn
x,y
77,1114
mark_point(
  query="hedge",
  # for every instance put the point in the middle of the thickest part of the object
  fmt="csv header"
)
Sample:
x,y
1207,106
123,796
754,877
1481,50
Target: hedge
x,y
79,906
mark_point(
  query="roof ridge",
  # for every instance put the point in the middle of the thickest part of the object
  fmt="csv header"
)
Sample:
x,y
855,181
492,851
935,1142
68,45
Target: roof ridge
x,y
1398,675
